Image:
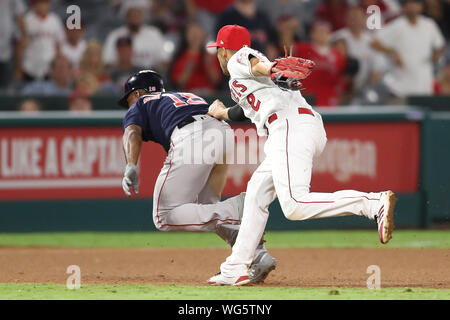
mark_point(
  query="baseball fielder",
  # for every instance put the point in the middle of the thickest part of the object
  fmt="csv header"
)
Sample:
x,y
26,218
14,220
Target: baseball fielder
x,y
268,93
187,193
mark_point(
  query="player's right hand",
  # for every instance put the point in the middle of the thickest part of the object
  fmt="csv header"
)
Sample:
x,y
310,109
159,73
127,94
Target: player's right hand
x,y
130,179
217,110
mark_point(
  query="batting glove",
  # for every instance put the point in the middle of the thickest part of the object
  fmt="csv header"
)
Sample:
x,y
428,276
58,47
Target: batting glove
x,y
130,179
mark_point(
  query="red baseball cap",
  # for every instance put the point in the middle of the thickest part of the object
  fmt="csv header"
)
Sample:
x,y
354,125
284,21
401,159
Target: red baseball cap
x,y
232,37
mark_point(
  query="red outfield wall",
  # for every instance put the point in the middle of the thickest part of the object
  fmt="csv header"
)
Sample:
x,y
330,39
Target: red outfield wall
x,y
88,162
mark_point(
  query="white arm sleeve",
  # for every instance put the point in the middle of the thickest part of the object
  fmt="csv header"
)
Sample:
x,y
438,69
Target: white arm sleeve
x,y
239,65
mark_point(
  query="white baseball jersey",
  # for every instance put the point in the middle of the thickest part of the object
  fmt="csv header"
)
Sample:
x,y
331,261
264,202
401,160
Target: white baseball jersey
x,y
9,11
258,96
415,45
369,60
74,53
45,34
148,47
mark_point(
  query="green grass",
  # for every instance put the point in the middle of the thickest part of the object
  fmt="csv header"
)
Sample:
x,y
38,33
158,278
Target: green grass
x,y
175,292
285,239
291,239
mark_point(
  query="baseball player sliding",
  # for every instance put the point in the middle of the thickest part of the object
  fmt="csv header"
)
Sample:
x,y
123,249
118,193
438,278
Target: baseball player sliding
x,y
187,191
268,93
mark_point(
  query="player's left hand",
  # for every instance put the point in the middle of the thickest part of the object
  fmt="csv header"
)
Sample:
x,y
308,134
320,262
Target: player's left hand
x,y
288,72
130,179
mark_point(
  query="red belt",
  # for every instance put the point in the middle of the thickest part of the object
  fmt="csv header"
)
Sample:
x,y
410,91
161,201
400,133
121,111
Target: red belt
x,y
274,116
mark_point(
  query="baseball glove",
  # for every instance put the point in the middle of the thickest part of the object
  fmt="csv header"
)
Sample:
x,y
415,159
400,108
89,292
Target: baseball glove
x,y
290,71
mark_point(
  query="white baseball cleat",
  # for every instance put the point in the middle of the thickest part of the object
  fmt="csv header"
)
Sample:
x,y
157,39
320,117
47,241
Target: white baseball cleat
x,y
385,216
221,280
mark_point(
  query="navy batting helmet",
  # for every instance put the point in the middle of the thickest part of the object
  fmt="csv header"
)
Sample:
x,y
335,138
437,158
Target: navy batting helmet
x,y
147,80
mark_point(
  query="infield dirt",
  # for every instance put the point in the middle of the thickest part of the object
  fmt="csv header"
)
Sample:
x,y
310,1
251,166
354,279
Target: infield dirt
x,y
427,268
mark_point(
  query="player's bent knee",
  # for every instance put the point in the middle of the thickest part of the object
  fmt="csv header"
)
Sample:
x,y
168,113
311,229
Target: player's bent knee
x,y
295,215
292,210
160,222
161,226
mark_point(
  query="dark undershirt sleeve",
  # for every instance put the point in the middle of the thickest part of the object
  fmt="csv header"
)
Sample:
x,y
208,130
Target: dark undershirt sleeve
x,y
236,113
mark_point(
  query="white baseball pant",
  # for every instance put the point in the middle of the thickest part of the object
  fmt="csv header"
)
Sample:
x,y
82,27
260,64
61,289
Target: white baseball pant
x,y
183,199
294,140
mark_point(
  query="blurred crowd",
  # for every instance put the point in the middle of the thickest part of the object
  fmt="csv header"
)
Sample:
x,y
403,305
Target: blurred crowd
x,y
366,51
